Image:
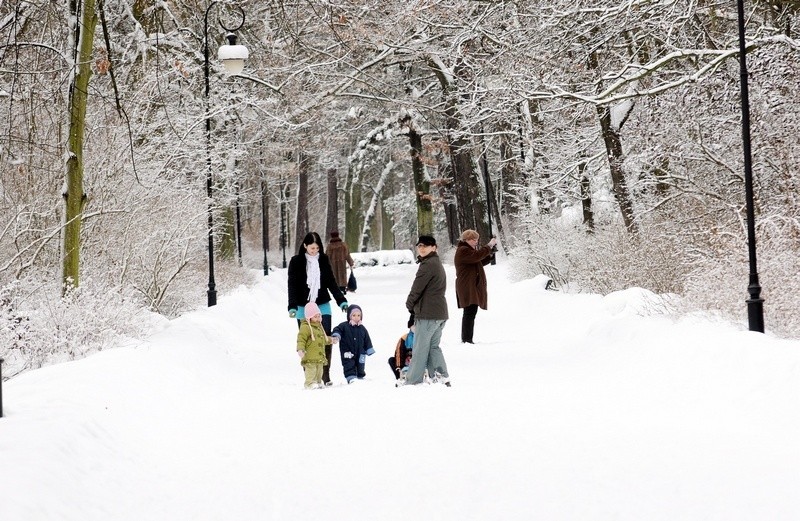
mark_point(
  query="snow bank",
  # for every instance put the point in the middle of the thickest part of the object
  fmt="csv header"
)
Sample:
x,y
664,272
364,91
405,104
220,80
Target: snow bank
x,y
383,257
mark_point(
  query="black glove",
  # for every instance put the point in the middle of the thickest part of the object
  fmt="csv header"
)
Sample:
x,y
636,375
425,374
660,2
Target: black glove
x,y
410,320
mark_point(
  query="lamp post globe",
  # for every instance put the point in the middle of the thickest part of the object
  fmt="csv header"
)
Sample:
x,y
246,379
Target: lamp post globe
x,y
232,55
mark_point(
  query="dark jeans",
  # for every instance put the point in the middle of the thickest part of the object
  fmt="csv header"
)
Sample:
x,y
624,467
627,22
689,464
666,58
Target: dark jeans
x,y
326,325
393,365
468,323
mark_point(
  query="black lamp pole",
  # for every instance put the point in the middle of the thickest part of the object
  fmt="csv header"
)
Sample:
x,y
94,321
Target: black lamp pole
x,y
283,221
1,387
238,225
212,287
264,224
755,304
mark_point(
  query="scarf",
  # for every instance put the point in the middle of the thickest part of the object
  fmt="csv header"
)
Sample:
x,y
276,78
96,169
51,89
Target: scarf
x,y
312,276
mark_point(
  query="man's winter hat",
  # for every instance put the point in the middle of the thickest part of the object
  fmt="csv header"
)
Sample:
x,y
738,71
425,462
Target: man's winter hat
x,y
335,234
311,309
427,240
354,307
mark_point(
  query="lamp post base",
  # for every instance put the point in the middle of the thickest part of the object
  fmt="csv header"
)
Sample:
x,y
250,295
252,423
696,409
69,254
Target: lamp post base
x,y
1,387
212,297
755,314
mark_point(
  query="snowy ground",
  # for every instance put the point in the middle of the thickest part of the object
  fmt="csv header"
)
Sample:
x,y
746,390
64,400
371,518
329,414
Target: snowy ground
x,y
570,407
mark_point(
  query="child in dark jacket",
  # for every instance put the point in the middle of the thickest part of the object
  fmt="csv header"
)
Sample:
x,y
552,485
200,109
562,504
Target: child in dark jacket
x,y
402,352
354,344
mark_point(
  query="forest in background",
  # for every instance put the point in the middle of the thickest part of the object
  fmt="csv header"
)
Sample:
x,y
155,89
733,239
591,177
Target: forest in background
x,y
601,143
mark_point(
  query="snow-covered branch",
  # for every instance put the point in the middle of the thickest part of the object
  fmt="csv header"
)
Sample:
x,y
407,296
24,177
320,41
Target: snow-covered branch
x,y
714,59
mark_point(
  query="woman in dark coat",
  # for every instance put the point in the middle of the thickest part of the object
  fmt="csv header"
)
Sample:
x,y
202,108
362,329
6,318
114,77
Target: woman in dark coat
x,y
471,279
310,279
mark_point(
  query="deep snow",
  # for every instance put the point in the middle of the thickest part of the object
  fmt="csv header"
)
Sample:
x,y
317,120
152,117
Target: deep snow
x,y
570,407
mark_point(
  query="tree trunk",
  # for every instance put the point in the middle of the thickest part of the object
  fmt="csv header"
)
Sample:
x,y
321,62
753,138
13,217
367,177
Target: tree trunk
x,y
448,199
367,231
371,216
494,224
352,210
284,211
510,176
227,236
229,242
422,186
387,229
546,198
615,158
469,203
377,224
586,197
332,215
613,143
74,196
301,221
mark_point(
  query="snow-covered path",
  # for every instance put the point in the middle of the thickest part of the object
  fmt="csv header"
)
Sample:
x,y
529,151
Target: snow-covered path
x,y
570,407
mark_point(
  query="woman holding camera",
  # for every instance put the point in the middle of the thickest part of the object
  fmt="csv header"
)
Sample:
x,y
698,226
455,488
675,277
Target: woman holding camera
x,y
471,279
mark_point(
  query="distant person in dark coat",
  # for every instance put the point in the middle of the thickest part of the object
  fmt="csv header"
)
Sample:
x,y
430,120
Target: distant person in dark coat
x,y
471,279
426,302
339,255
354,344
310,279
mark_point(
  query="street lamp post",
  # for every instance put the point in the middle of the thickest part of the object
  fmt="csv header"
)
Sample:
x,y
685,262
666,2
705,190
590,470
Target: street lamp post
x,y
264,223
232,57
283,220
1,387
238,226
755,304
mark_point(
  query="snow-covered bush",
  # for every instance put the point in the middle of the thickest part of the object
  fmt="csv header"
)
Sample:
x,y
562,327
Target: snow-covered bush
x,y
720,284
37,329
604,261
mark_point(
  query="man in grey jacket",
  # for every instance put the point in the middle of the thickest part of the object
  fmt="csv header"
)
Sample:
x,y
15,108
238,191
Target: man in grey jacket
x,y
427,303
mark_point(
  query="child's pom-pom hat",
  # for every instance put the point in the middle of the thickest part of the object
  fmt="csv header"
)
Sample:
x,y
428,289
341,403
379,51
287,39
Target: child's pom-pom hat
x,y
311,310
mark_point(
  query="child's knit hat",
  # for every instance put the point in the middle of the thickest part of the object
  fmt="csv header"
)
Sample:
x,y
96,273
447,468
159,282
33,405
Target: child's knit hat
x,y
311,309
351,308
